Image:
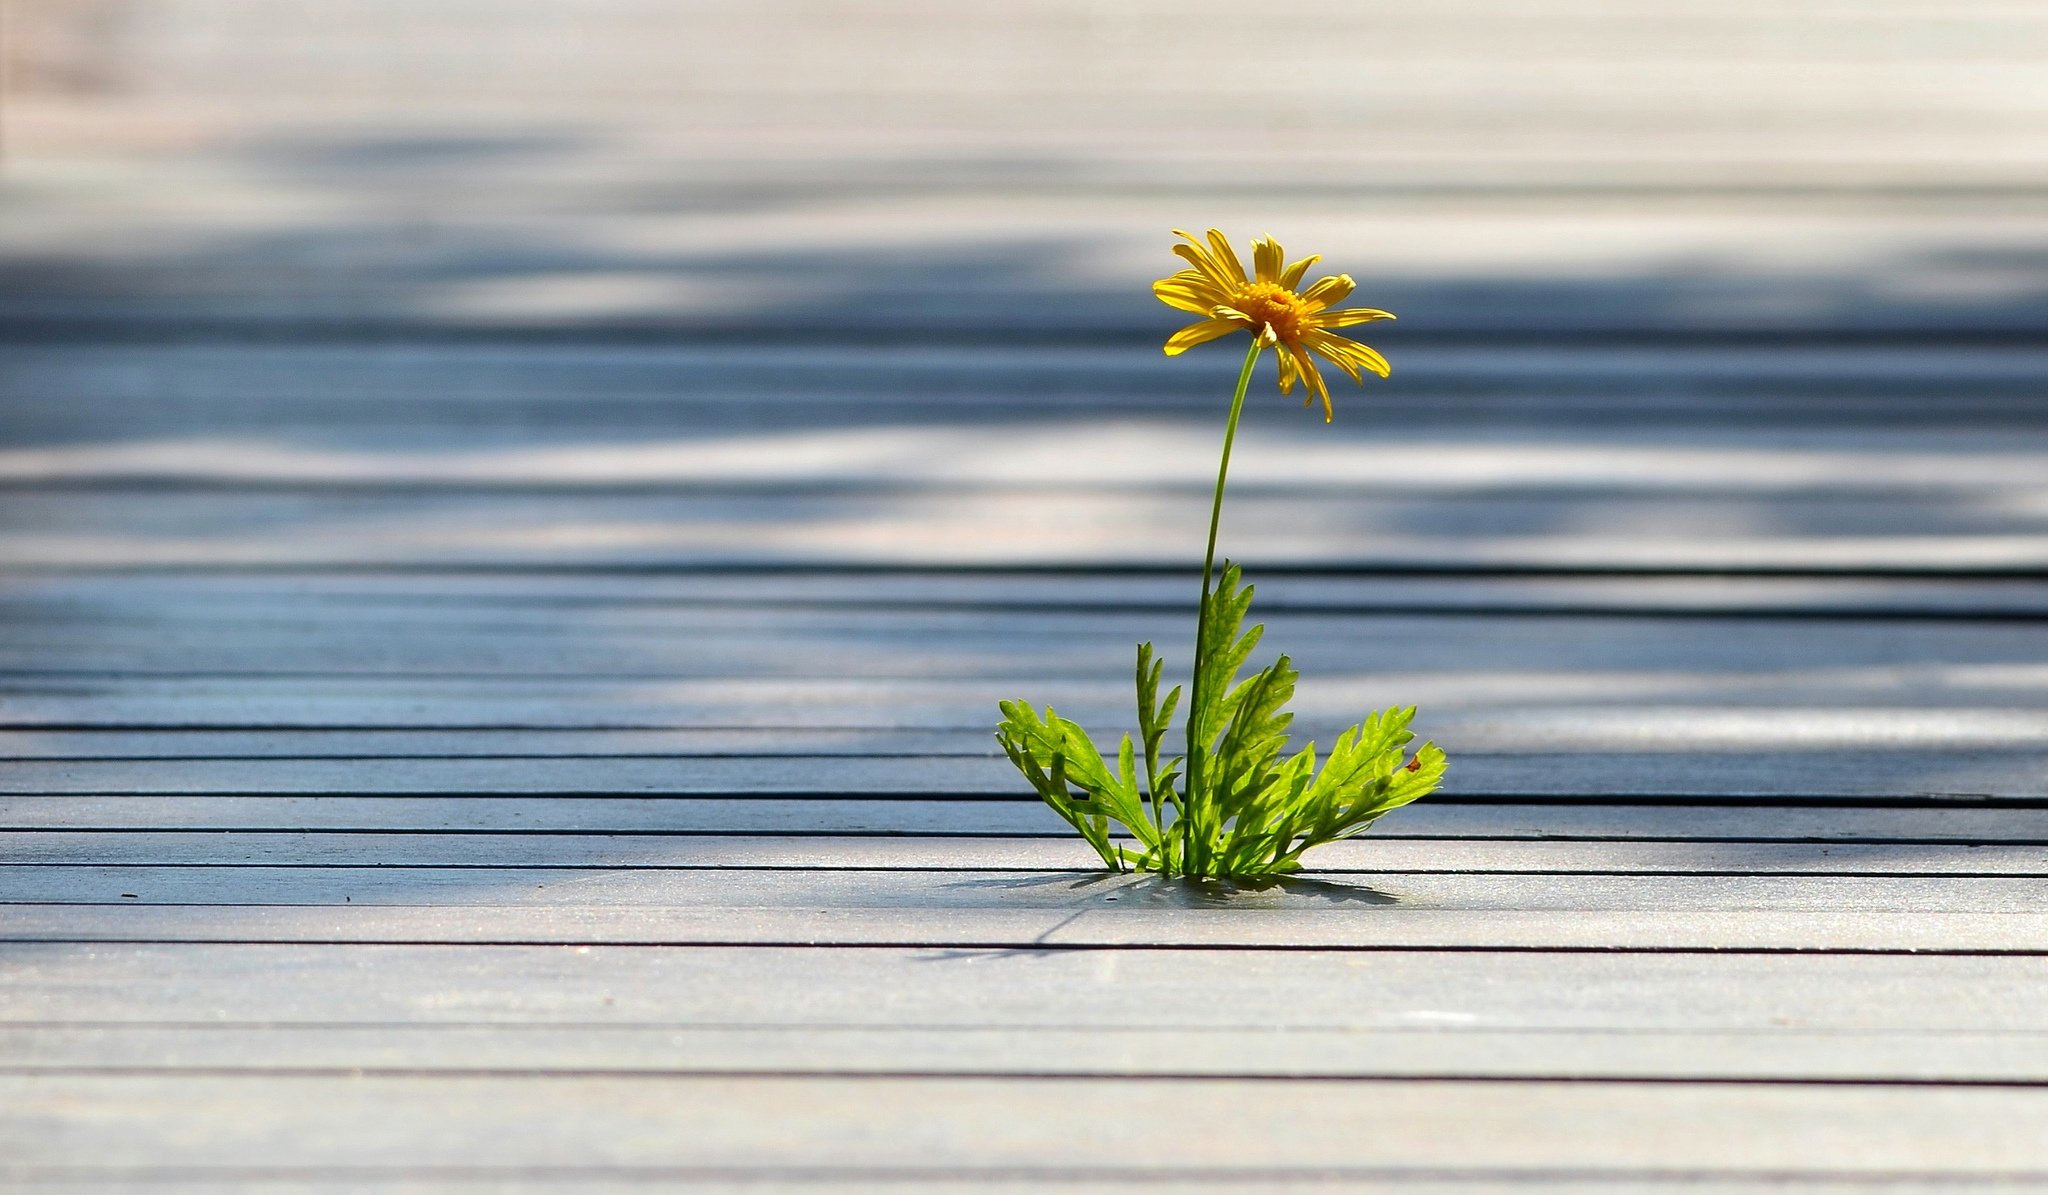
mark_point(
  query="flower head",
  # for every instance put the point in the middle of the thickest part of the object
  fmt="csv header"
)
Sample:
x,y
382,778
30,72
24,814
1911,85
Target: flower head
x,y
1266,304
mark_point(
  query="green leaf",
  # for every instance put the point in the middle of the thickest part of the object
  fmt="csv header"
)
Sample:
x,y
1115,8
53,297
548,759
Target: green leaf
x,y
1224,651
1245,810
1057,755
1255,738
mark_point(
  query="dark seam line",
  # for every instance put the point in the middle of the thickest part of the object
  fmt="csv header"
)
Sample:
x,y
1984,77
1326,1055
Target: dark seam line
x,y
797,869
1003,1076
967,1177
1014,947
1283,568
624,334
1450,840
580,755
1674,801
1430,1030
1292,609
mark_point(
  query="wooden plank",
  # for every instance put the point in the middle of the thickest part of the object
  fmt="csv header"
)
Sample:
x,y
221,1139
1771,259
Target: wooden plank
x,y
598,599
921,819
961,1128
342,912
1011,646
1279,455
542,389
1850,776
1363,856
1138,991
394,882
309,743
1774,1055
1478,529
909,703
1873,728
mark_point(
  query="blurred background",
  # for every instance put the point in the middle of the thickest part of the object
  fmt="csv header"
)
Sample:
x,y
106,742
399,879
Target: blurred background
x,y
1697,256
922,170
1658,266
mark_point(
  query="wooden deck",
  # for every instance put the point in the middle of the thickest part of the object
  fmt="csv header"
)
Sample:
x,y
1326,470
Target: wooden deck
x,y
503,600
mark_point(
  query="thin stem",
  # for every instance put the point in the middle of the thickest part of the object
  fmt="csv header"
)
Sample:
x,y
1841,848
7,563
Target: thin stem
x,y
1197,750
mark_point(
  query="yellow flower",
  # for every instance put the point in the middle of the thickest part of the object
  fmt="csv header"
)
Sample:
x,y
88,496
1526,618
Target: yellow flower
x,y
1267,305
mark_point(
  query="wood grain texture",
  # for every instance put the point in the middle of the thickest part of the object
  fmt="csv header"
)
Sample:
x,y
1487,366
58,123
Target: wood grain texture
x,y
291,984
396,883
938,1127
932,824
677,1048
348,912
1918,777
1369,855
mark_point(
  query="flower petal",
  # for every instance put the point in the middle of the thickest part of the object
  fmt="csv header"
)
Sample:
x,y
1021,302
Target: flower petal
x,y
1208,269
1343,361
1266,258
1288,374
1198,333
1291,276
1198,298
1327,291
1350,355
1349,316
1316,385
1226,256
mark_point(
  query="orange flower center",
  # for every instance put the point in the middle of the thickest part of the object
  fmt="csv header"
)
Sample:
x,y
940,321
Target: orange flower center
x,y
1271,303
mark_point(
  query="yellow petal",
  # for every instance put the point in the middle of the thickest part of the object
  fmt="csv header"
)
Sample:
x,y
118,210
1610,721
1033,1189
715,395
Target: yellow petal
x,y
1186,296
1211,272
1348,316
1226,256
1291,276
1327,291
1351,356
1198,333
1288,374
1266,258
1316,385
1342,362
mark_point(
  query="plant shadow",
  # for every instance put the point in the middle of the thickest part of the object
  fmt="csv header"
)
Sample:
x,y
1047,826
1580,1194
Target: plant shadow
x,y
1154,891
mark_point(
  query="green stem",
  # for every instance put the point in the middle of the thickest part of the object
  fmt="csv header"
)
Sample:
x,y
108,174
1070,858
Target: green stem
x,y
1197,751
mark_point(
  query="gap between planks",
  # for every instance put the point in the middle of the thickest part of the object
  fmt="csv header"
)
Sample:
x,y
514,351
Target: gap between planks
x,y
923,820
1371,855
1775,1054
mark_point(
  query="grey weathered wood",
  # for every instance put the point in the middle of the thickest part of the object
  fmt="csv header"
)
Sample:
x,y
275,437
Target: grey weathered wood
x,y
344,912
599,599
1017,647
919,819
1282,1050
1810,726
1253,991
59,528
1958,776
1570,452
941,1127
931,892
1369,855
630,392
1676,692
